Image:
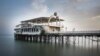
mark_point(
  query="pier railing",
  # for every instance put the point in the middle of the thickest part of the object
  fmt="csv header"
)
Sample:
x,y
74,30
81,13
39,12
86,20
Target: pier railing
x,y
76,33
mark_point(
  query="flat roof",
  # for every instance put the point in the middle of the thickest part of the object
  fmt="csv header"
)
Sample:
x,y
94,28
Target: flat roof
x,y
43,20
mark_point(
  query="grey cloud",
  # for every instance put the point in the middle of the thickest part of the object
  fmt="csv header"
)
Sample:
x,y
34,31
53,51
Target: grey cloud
x,y
81,12
39,6
82,9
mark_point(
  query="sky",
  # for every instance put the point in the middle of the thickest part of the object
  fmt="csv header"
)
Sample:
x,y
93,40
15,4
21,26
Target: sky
x,y
78,14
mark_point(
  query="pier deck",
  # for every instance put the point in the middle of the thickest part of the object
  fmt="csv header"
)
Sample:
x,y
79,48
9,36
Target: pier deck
x,y
77,33
49,36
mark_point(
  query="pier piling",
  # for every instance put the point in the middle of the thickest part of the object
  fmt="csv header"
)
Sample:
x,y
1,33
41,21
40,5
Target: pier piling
x,y
85,39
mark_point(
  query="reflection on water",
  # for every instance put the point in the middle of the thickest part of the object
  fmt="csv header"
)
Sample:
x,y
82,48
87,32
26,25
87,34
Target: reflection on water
x,y
11,47
87,42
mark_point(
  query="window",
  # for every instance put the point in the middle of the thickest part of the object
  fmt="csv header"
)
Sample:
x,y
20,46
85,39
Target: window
x,y
32,29
28,29
25,29
36,29
53,29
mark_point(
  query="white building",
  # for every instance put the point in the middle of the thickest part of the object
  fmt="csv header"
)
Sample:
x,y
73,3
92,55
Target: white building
x,y
40,25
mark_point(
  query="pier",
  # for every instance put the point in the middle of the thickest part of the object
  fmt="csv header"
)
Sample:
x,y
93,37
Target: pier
x,y
48,37
49,30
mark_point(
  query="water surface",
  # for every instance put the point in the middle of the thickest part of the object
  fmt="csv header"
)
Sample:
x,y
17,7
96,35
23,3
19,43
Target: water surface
x,y
11,47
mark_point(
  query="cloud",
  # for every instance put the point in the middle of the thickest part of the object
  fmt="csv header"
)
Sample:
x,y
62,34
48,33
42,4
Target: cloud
x,y
95,18
80,13
78,9
77,13
39,6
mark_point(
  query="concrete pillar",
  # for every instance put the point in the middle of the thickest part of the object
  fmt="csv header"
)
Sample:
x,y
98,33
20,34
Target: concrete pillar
x,y
44,39
48,38
78,40
30,38
59,39
92,41
97,42
26,38
62,39
55,38
89,41
51,38
33,39
15,36
40,38
82,40
85,41
36,38
74,39
67,40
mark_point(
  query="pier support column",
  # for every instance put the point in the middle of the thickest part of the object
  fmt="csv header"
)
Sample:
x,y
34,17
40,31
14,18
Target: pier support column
x,y
30,38
74,39
22,37
85,41
40,38
33,38
82,40
44,39
92,41
48,38
36,38
27,38
55,38
18,37
67,40
51,39
97,42
15,36
89,41
59,39
62,39
78,40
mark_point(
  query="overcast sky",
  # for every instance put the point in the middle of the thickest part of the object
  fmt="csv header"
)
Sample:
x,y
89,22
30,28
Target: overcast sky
x,y
79,14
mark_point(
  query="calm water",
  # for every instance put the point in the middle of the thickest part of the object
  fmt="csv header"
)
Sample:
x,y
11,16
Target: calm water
x,y
11,47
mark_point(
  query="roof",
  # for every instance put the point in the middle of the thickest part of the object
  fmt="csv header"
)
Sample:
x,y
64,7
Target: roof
x,y
43,20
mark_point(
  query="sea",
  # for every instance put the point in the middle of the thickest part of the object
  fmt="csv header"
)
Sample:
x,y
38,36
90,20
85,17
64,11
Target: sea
x,y
11,47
